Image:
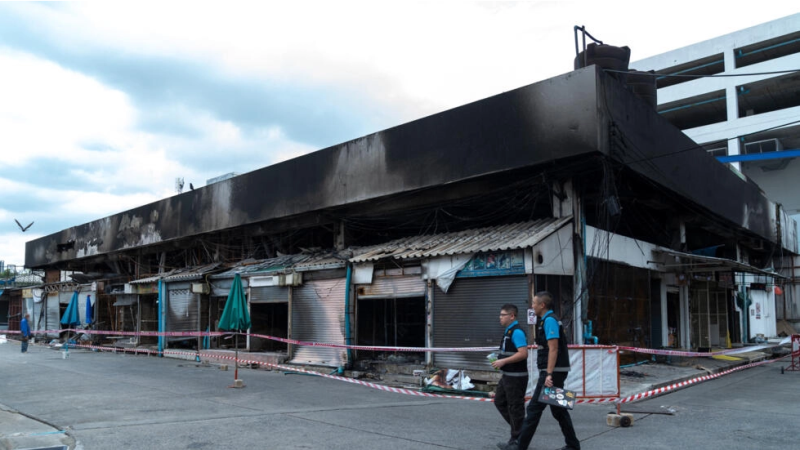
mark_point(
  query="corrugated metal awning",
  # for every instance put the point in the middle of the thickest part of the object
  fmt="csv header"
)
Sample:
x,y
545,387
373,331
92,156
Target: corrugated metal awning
x,y
249,268
151,279
336,260
503,237
701,263
192,273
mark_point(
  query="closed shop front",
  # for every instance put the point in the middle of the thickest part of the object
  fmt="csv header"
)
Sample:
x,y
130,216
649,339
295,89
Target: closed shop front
x,y
50,319
391,312
183,313
468,316
269,315
318,316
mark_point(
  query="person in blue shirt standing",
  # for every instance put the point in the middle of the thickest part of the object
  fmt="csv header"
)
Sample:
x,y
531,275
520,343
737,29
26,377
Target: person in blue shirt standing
x,y
26,332
512,360
552,359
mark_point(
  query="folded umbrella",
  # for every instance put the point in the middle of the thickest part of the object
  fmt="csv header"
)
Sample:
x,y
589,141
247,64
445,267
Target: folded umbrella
x,y
235,316
89,310
71,316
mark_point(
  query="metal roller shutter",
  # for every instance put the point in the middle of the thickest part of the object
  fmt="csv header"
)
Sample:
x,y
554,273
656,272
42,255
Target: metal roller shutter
x,y
392,287
38,316
468,316
52,315
222,287
269,294
182,309
64,297
318,316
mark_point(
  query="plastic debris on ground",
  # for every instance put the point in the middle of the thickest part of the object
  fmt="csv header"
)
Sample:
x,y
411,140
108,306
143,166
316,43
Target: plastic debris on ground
x,y
450,379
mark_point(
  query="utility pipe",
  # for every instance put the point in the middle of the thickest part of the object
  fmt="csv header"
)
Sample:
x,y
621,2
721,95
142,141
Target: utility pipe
x,y
160,318
347,332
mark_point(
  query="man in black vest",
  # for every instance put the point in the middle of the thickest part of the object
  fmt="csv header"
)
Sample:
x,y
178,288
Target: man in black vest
x,y
513,361
553,362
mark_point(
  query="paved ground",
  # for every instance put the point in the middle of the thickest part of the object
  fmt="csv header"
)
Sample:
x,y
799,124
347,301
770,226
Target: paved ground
x,y
105,401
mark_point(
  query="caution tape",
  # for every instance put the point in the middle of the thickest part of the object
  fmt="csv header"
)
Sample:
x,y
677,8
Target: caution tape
x,y
649,351
263,336
629,399
682,384
381,387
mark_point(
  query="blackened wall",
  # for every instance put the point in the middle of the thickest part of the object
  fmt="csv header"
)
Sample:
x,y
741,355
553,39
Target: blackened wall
x,y
546,121
647,143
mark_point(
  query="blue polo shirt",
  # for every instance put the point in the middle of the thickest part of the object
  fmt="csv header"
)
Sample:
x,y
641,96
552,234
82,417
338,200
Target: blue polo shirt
x,y
550,326
518,336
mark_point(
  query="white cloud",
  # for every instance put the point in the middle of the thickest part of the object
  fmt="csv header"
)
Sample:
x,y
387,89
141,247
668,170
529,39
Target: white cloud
x,y
410,58
12,247
47,111
418,56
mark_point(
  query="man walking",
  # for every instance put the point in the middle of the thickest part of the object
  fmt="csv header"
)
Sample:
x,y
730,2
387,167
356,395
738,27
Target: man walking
x,y
512,360
26,332
553,362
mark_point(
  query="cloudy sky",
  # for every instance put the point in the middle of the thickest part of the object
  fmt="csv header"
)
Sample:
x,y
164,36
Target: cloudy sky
x,y
104,104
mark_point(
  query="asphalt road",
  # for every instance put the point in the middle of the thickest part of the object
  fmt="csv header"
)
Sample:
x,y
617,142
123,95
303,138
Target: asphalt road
x,y
115,401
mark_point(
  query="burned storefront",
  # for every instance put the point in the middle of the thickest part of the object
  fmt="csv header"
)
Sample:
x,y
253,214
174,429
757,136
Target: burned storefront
x,y
187,307
390,309
458,283
596,178
267,284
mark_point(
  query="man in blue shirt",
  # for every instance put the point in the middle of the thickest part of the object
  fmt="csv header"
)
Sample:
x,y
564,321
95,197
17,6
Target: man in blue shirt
x,y
512,360
552,358
26,332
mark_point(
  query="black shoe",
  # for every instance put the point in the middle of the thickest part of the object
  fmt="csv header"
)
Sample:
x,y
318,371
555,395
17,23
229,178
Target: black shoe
x,y
567,447
508,445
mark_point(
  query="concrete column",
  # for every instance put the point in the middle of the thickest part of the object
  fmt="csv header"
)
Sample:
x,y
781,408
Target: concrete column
x,y
339,242
580,290
732,102
664,322
686,323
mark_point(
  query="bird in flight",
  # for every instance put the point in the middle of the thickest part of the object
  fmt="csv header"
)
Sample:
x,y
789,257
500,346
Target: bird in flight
x,y
24,229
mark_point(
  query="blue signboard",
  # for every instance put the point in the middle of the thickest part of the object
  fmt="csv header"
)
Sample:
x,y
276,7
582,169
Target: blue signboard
x,y
492,264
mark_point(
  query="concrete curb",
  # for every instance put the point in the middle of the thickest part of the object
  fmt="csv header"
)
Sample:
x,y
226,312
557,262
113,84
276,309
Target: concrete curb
x,y
19,430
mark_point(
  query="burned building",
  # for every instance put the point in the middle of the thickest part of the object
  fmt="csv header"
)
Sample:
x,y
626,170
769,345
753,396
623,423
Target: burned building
x,y
411,235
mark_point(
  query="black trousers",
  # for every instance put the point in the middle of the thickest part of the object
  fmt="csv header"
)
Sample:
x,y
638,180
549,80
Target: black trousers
x,y
510,401
535,410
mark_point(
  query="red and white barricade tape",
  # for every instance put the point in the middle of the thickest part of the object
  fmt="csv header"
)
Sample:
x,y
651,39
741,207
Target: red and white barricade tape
x,y
629,399
396,349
